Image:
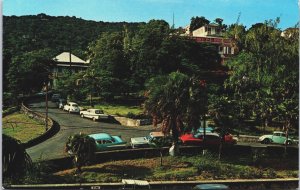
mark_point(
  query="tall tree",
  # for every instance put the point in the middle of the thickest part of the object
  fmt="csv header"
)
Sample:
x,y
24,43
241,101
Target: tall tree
x,y
28,72
168,100
267,57
198,22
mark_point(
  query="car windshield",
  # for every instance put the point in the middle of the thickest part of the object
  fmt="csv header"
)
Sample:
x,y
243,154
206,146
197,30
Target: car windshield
x,y
99,112
74,105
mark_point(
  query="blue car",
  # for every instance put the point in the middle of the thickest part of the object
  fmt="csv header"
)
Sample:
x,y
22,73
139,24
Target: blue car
x,y
105,141
207,130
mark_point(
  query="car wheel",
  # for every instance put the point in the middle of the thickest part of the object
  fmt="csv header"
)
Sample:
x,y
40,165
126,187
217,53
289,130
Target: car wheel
x,y
82,115
266,141
132,145
288,142
69,111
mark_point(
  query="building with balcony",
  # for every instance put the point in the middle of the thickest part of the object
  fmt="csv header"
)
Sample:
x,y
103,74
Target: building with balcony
x,y
66,63
213,34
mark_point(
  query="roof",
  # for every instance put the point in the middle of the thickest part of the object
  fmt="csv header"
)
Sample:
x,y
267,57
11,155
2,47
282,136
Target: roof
x,y
99,136
72,102
65,58
157,134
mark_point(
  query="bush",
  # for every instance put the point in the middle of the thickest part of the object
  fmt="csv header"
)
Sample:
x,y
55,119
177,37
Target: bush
x,y
137,116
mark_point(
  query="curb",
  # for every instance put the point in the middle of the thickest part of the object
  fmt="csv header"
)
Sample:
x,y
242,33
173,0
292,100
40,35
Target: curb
x,y
162,183
53,127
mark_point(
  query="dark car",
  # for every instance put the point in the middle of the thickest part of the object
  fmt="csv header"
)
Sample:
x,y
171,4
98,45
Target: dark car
x,y
55,97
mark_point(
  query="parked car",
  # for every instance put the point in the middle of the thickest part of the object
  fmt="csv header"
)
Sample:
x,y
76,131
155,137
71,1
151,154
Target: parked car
x,y
207,129
211,187
141,142
105,141
55,97
277,137
61,103
210,139
71,107
95,114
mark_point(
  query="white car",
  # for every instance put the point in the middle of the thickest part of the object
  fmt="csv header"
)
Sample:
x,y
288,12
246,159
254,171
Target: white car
x,y
278,137
141,142
71,107
95,114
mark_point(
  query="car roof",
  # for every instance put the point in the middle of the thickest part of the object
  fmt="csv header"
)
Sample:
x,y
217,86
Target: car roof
x,y
209,133
95,109
157,134
72,102
100,136
278,132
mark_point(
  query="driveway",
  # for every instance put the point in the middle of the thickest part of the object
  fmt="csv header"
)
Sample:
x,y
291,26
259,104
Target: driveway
x,y
71,124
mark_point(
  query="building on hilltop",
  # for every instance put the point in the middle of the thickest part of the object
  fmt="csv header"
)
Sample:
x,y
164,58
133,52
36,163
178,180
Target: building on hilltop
x,y
67,62
213,34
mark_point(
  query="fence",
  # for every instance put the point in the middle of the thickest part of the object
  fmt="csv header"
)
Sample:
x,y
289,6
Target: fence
x,y
53,126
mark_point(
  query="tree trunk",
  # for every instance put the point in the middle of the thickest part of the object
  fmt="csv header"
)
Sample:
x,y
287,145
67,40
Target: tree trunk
x,y
220,149
161,158
286,136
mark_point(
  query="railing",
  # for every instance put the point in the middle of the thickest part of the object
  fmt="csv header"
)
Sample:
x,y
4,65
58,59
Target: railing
x,y
53,127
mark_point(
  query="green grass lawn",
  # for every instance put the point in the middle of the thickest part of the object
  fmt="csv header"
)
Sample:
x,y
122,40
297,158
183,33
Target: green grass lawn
x,y
174,168
121,110
21,127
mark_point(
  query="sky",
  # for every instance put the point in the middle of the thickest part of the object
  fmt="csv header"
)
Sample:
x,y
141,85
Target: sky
x,y
251,11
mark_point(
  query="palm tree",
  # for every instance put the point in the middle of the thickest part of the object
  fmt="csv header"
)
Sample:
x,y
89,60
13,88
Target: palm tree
x,y
15,160
82,147
168,99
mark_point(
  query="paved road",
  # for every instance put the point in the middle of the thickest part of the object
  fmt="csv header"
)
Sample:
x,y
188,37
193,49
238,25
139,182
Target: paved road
x,y
72,124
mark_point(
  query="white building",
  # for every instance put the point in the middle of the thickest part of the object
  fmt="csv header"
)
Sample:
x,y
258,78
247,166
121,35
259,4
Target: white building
x,y
67,62
212,33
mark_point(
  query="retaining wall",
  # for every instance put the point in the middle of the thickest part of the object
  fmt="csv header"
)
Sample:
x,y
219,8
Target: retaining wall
x,y
53,127
132,122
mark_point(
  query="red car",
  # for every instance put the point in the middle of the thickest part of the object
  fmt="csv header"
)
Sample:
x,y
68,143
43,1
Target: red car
x,y
210,139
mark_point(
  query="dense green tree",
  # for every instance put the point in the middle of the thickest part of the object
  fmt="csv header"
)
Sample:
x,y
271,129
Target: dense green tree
x,y
82,147
169,98
198,22
109,64
237,33
22,34
30,71
255,82
15,160
143,55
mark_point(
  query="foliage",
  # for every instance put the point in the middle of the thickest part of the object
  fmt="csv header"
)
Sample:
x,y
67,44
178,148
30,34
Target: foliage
x,y
159,143
167,101
198,22
15,160
109,66
189,168
237,33
29,68
82,147
256,91
23,34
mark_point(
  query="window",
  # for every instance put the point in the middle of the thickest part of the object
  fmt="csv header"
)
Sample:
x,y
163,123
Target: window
x,y
209,31
99,112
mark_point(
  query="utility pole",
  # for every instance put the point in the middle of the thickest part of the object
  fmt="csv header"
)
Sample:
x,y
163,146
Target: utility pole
x,y
70,57
46,99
